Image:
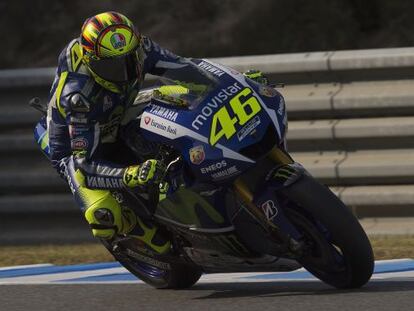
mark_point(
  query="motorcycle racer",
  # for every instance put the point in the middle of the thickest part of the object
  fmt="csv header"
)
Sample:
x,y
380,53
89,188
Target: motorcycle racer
x,y
98,77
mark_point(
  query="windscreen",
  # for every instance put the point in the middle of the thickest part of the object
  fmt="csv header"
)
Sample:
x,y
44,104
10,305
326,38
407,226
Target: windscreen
x,y
186,85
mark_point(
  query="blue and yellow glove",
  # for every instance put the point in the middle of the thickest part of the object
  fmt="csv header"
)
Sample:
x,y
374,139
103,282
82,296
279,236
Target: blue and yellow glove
x,y
142,175
257,76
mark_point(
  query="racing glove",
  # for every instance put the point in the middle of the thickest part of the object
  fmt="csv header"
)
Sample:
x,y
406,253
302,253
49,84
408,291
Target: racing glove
x,y
257,76
142,175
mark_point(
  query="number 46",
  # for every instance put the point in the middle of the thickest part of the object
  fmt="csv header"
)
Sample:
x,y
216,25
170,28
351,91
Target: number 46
x,y
244,105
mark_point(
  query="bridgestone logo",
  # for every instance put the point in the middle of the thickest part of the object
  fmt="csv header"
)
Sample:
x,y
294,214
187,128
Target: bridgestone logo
x,y
149,260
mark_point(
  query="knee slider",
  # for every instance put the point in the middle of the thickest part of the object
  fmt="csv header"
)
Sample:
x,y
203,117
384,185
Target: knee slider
x,y
102,222
106,217
103,214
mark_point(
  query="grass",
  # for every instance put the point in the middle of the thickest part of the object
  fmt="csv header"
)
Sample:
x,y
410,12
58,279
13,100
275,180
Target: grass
x,y
393,247
54,254
385,247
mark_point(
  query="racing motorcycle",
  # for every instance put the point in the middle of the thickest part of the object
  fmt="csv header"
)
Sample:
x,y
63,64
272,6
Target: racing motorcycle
x,y
231,198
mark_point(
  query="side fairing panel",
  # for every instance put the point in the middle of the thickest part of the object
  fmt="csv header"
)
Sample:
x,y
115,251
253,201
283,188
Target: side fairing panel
x,y
191,209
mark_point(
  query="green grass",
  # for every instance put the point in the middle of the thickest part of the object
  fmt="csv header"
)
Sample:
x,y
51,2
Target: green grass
x,y
55,254
385,247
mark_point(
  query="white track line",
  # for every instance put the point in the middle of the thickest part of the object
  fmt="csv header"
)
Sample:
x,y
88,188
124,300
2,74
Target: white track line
x,y
248,277
25,266
55,277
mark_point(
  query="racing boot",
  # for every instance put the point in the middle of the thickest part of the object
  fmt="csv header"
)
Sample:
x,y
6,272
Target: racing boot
x,y
107,222
138,177
152,237
106,217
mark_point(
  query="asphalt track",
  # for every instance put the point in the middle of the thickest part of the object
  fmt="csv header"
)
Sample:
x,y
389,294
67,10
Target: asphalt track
x,y
109,287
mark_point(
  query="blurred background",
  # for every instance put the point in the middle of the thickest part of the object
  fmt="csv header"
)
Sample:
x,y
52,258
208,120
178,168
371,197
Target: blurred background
x,y
351,112
36,31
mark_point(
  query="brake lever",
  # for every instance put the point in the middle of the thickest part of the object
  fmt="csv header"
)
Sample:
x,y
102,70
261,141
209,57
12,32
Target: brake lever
x,y
166,171
155,188
277,85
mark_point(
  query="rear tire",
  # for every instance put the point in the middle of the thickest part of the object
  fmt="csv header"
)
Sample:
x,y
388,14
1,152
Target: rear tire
x,y
180,276
342,255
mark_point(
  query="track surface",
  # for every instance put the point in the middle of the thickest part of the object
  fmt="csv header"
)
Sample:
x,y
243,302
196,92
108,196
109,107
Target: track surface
x,y
237,296
35,288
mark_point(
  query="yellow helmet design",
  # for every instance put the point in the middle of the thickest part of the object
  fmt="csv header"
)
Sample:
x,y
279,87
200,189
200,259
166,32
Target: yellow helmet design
x,y
112,50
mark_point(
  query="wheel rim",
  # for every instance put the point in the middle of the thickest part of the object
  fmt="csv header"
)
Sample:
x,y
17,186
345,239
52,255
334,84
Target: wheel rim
x,y
323,258
147,269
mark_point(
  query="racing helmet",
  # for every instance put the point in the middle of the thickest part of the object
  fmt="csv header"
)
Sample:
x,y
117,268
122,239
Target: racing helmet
x,y
112,50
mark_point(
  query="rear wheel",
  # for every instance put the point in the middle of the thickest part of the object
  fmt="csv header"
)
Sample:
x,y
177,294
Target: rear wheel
x,y
176,276
337,250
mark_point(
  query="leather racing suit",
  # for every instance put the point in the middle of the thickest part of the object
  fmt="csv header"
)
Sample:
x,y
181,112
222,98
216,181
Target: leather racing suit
x,y
89,144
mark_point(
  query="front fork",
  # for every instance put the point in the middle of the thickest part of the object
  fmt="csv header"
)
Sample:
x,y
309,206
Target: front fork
x,y
264,205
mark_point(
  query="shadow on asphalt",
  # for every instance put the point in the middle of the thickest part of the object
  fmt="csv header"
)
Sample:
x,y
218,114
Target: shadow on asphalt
x,y
297,288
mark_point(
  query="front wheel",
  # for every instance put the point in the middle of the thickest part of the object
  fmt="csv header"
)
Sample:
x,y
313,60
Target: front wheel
x,y
177,276
337,250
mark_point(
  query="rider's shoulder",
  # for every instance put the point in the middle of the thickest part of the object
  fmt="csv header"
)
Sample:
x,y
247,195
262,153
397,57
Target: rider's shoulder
x,y
70,59
147,43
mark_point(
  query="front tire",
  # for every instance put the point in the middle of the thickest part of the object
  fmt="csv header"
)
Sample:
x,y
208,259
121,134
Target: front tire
x,y
340,253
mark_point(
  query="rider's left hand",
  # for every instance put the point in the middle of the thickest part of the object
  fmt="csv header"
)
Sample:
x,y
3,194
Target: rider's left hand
x,y
257,76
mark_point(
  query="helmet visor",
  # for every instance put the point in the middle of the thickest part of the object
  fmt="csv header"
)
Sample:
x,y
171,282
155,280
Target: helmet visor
x,y
121,69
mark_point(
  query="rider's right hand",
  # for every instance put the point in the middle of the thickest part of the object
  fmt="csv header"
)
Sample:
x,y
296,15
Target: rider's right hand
x,y
141,175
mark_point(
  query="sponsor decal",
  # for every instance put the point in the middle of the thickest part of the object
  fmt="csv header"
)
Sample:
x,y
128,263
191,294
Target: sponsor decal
x,y
214,103
269,209
197,155
161,126
281,109
79,104
109,130
118,196
213,167
149,260
209,193
165,113
107,103
129,175
182,131
248,128
64,169
77,130
79,118
79,143
210,68
103,182
267,91
229,172
233,71
118,40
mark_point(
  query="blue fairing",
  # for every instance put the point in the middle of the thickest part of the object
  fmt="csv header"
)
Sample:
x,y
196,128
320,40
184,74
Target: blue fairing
x,y
188,129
